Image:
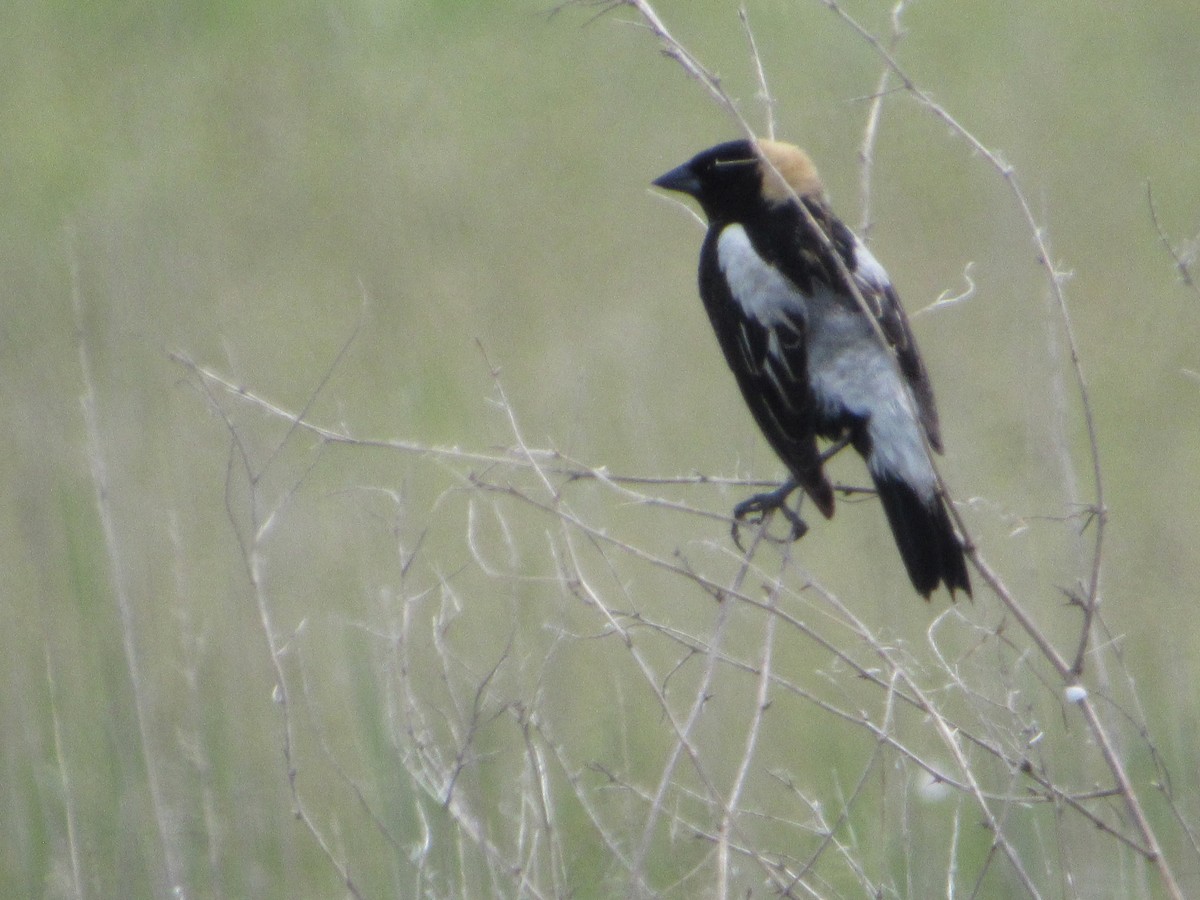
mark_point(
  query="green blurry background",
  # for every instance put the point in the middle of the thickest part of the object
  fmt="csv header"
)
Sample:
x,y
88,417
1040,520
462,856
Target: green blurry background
x,y
241,183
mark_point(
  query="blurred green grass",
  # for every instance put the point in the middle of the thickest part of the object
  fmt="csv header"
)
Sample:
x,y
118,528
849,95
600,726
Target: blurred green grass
x,y
242,181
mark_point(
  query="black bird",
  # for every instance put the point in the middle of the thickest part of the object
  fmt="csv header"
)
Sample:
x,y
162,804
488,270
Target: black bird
x,y
809,361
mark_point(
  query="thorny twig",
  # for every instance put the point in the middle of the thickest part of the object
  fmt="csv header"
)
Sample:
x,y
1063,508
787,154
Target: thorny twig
x,y
552,505
866,152
1184,258
262,516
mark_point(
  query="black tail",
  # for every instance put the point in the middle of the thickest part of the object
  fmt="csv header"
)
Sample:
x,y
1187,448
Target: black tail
x,y
925,537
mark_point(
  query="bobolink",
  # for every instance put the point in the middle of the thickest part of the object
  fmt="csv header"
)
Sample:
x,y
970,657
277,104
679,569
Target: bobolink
x,y
807,358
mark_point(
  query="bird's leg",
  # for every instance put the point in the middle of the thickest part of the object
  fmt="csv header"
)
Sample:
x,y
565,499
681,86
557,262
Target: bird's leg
x,y
836,447
761,505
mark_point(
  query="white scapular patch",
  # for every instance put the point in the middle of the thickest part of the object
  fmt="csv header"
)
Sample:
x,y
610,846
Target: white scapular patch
x,y
762,291
867,268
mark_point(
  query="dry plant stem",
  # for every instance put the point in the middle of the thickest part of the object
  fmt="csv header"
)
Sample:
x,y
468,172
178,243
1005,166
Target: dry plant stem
x,y
475,718
64,778
676,51
764,90
952,850
548,462
884,727
951,734
431,773
544,821
683,731
761,702
577,471
172,854
1048,792
555,509
254,561
1004,813
830,839
683,744
707,649
251,543
866,153
1183,263
191,653
777,871
331,757
612,842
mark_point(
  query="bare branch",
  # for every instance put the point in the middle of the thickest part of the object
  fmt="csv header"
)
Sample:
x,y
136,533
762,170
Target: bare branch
x,y
764,90
1183,259
866,152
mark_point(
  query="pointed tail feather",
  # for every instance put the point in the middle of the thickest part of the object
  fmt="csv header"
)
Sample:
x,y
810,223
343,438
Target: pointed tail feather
x,y
817,486
925,536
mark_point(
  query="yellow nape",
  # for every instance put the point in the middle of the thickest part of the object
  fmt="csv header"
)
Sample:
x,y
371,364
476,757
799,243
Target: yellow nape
x,y
791,164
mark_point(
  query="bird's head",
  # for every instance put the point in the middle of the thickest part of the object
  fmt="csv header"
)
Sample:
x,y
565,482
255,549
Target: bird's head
x,y
732,180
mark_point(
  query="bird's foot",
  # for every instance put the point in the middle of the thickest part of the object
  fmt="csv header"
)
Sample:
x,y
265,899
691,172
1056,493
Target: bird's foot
x,y
758,507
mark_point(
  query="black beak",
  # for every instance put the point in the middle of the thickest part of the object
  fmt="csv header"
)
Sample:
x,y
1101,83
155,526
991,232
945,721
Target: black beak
x,y
681,179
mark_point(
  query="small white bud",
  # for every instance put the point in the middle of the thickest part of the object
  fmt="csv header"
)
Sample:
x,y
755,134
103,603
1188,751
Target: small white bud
x,y
1076,693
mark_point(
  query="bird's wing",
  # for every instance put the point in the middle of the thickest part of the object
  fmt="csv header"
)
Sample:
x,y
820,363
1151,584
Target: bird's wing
x,y
808,263
876,288
759,318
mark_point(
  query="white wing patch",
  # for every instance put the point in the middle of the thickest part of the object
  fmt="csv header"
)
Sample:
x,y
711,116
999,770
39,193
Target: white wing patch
x,y
867,268
763,292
